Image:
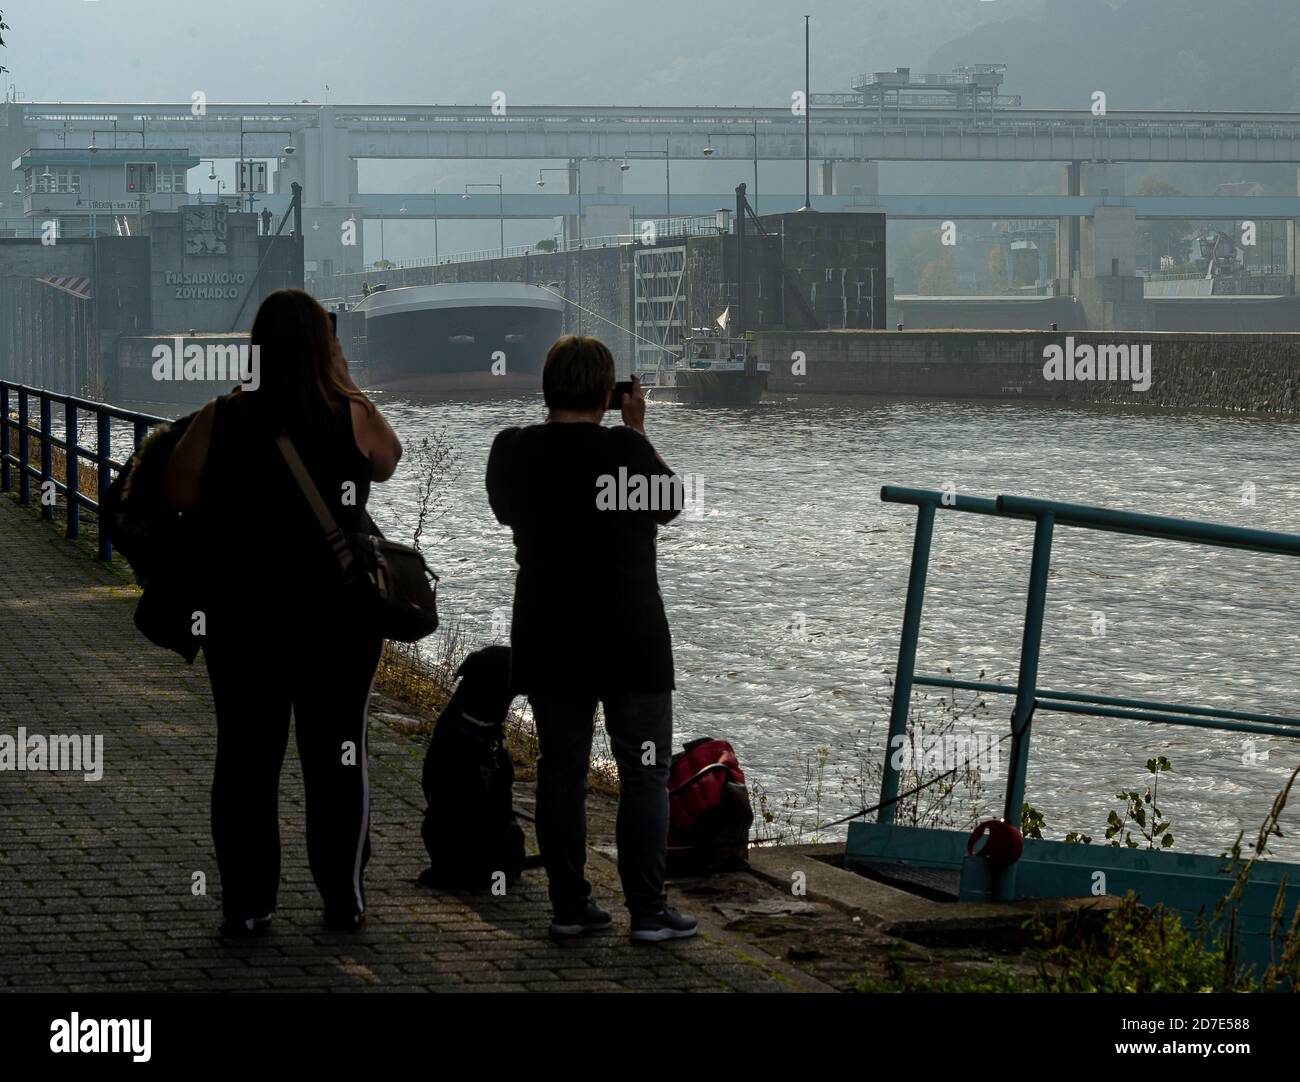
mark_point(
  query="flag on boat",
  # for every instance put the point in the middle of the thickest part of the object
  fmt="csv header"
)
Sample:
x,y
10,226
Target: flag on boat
x,y
725,318
78,287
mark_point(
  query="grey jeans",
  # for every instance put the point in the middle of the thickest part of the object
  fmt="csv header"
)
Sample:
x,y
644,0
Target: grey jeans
x,y
640,727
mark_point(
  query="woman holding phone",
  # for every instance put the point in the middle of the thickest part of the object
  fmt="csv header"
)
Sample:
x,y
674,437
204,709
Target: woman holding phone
x,y
588,626
276,638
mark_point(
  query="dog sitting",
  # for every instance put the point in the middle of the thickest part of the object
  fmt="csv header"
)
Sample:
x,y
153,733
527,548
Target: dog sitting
x,y
469,827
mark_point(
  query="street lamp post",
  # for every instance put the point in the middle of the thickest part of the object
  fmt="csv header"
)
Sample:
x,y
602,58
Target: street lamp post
x,y
289,149
573,176
807,114
708,153
501,204
668,176
212,175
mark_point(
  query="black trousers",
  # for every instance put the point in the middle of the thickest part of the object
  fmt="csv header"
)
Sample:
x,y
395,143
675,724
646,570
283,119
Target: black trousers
x,y
640,727
322,673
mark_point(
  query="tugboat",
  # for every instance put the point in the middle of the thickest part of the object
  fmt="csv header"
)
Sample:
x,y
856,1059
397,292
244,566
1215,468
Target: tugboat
x,y
712,371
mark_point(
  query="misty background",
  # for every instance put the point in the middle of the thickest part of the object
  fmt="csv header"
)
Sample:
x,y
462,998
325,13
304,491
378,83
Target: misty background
x,y
1145,54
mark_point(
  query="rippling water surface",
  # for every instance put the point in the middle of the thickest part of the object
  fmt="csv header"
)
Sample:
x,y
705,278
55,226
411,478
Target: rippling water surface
x,y
786,596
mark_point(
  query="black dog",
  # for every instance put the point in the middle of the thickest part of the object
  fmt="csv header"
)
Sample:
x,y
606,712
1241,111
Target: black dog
x,y
469,827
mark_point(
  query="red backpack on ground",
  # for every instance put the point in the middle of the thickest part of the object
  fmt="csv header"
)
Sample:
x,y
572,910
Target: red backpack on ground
x,y
708,803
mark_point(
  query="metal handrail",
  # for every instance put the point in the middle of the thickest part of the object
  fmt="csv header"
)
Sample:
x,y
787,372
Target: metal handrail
x,y
73,451
1029,697
69,228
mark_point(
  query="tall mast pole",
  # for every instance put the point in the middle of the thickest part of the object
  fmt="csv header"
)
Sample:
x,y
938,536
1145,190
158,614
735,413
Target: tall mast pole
x,y
807,119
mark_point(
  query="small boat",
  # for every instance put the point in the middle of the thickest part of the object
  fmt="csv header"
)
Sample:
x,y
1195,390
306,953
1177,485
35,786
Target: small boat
x,y
712,371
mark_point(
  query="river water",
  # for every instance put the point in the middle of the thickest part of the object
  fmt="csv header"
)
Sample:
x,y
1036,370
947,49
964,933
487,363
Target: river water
x,y
785,594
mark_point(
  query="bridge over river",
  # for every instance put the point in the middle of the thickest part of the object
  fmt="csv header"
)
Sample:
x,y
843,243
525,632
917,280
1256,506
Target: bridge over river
x,y
890,117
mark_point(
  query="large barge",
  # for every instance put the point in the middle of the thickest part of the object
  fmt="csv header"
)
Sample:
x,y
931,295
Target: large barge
x,y
473,336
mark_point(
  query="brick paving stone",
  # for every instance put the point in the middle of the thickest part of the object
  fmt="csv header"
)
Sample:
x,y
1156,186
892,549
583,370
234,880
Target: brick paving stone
x,y
96,890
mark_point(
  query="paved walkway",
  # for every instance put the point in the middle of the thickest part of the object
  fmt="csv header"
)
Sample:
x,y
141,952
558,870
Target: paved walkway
x,y
95,877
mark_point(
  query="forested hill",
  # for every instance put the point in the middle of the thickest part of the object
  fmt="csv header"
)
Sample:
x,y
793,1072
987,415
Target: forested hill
x,y
1152,54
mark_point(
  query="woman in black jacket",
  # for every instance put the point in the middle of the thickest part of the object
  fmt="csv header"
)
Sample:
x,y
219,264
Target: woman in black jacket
x,y
274,631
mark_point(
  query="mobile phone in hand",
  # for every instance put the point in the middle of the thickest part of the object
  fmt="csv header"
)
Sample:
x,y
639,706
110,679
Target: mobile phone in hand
x,y
621,388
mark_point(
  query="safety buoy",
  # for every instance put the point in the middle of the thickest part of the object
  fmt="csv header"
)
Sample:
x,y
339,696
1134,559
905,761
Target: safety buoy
x,y
997,841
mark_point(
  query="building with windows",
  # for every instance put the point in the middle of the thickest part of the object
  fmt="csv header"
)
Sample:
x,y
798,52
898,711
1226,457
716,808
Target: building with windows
x,y
101,190
113,255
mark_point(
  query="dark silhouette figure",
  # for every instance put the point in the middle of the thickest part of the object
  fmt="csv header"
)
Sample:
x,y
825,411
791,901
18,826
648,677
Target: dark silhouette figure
x,y
276,634
589,625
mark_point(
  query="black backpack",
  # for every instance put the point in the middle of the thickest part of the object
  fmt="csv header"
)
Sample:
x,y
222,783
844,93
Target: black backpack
x,y
153,538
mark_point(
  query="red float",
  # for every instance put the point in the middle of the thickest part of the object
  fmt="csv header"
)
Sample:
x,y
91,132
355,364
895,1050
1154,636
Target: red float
x,y
1002,843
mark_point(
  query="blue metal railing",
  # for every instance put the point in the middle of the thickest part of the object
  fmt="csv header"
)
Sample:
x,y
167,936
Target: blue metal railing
x,y
18,429
1046,515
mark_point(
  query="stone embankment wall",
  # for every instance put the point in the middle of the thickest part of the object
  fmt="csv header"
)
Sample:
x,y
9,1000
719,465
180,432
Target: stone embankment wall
x,y
1257,373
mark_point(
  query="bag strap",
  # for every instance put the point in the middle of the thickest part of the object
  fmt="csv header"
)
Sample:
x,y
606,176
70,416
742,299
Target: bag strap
x,y
698,776
337,541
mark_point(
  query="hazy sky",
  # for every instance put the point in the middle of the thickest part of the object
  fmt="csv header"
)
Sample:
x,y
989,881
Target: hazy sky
x,y
669,52
537,51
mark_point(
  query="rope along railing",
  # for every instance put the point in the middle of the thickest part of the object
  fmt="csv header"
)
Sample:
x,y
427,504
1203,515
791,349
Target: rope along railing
x,y
19,438
1030,698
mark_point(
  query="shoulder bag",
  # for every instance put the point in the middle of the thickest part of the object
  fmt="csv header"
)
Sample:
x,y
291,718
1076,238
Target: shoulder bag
x,y
389,584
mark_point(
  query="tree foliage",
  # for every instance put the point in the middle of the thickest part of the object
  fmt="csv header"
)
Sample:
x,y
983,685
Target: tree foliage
x,y
997,263
939,277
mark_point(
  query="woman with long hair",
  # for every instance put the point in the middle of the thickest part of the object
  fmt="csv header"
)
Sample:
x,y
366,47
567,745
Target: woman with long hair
x,y
275,633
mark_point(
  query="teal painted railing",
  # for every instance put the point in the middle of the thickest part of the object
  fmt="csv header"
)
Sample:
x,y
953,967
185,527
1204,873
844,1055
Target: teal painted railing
x,y
17,433
1046,515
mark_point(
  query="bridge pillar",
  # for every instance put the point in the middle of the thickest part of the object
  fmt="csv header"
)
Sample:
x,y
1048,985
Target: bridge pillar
x,y
1108,245
604,211
328,175
1112,296
1101,178
856,178
1067,234
1075,243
